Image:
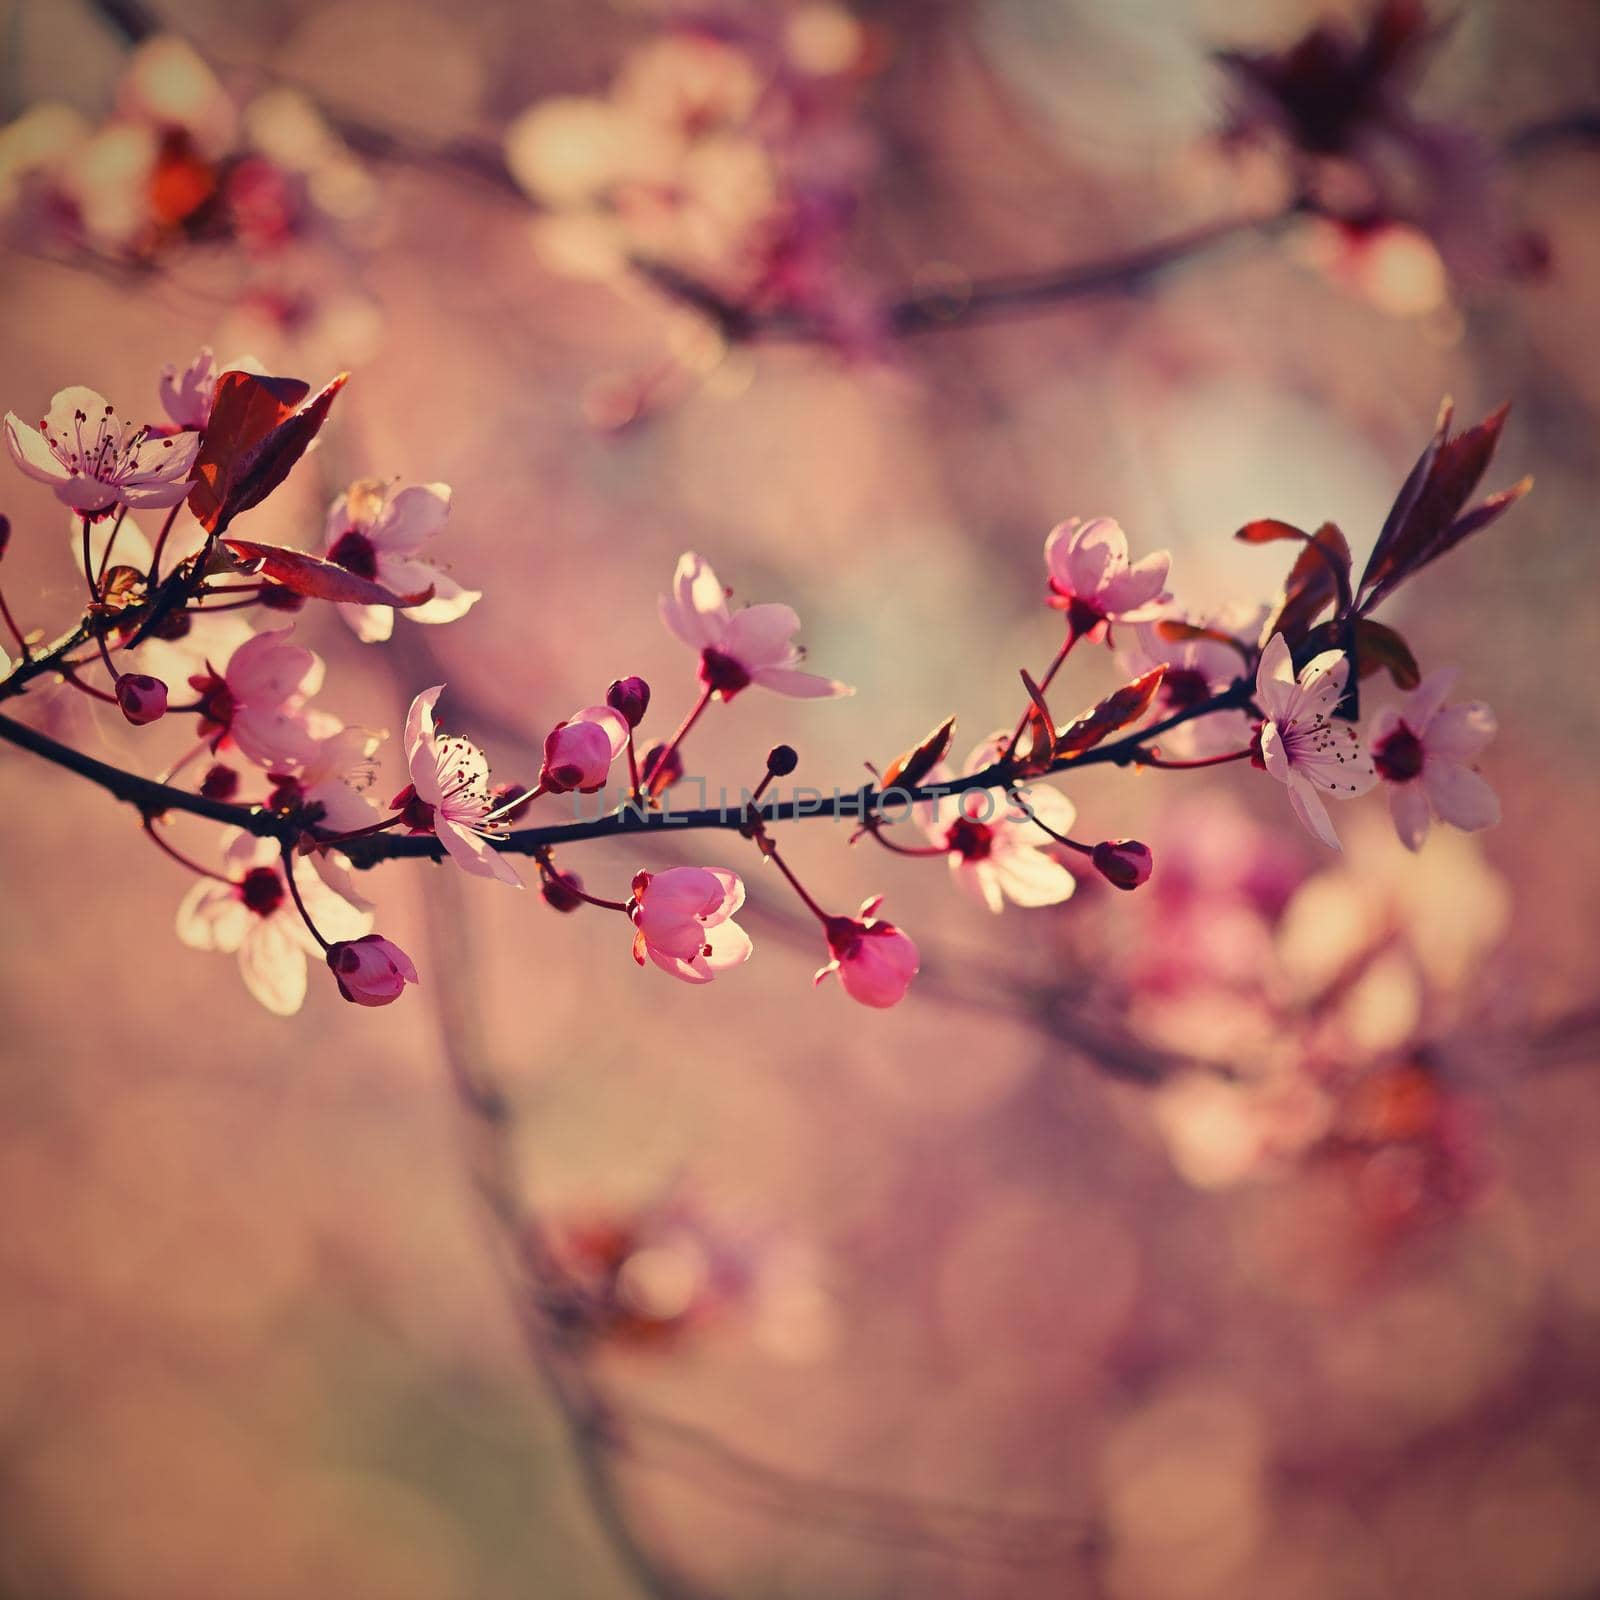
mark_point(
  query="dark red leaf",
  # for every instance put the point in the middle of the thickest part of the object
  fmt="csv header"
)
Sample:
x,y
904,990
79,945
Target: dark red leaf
x,y
1117,710
1379,648
253,438
1319,576
910,769
322,580
1424,521
1268,529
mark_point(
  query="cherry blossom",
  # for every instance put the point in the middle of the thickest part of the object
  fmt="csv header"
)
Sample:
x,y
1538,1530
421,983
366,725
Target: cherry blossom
x,y
253,915
370,971
1423,751
94,462
450,795
257,701
1300,745
1091,580
683,921
187,392
327,783
754,645
578,752
874,959
997,851
377,531
1197,669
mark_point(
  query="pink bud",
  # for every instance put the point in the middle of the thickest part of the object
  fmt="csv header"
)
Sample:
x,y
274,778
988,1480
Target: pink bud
x,y
874,959
370,971
560,891
143,699
504,794
1123,863
630,697
578,753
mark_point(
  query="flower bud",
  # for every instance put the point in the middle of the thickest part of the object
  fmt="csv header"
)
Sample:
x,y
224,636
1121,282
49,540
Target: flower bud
x,y
630,696
560,891
143,699
670,773
1123,863
221,782
782,759
370,971
578,753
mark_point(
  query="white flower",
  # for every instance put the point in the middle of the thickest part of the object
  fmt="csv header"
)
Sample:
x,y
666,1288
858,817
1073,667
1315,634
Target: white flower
x,y
95,462
1300,745
1423,752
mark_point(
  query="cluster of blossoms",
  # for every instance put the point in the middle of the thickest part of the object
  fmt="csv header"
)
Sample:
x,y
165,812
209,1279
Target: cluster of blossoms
x,y
1276,688
1398,206
723,155
180,162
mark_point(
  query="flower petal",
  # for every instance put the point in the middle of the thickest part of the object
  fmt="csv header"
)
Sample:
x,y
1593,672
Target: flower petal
x,y
1460,796
1408,805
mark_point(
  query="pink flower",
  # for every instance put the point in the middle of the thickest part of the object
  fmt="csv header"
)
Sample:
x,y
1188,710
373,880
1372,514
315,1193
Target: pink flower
x,y
1423,752
683,921
142,699
997,853
755,645
253,915
327,782
257,702
187,393
1091,581
875,960
377,531
578,752
450,794
1300,746
94,462
1197,669
370,971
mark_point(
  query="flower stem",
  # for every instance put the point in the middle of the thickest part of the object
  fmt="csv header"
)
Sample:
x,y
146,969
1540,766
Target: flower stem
x,y
178,856
1153,758
770,852
294,893
161,544
663,761
16,632
1044,683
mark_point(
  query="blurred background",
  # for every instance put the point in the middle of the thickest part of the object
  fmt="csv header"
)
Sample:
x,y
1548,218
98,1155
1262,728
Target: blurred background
x,y
1239,1237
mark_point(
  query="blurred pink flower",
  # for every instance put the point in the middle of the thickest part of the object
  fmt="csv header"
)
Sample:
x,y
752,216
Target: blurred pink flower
x,y
1197,669
683,918
578,752
874,959
378,531
450,795
754,645
370,971
94,462
1423,752
1091,580
253,915
1300,746
996,851
257,702
327,782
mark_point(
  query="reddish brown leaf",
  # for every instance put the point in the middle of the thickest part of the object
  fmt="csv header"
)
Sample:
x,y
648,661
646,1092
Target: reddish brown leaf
x,y
1426,519
1317,579
1269,529
253,438
908,770
322,580
1175,632
1379,649
1117,710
